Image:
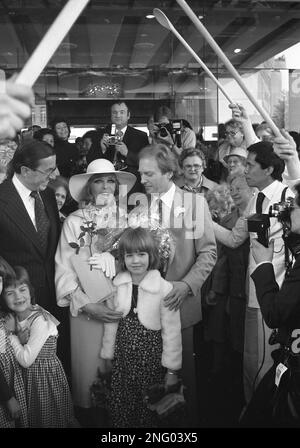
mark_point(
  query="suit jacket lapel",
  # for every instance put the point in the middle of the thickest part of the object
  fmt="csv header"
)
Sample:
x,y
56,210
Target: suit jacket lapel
x,y
17,212
52,218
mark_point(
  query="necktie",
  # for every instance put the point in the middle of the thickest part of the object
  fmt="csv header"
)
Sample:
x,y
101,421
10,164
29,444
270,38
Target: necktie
x,y
118,158
41,220
160,211
259,202
120,135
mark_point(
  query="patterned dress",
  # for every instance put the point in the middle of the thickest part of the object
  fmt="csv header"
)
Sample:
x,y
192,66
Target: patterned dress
x,y
48,395
136,366
13,376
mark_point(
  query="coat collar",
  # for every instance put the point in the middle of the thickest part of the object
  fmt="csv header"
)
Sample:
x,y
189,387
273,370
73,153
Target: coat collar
x,y
150,283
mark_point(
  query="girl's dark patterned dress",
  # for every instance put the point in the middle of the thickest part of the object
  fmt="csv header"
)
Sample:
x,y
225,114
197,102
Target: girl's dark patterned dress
x,y
136,366
13,376
48,395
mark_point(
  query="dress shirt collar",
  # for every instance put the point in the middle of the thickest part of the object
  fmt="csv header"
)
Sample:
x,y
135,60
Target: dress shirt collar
x,y
123,130
269,190
23,191
168,196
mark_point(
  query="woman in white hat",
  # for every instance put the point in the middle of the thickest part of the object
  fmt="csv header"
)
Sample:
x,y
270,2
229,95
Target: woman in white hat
x,y
236,161
85,265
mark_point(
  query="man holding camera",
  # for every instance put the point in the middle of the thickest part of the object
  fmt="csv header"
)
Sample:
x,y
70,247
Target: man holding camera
x,y
176,134
122,145
264,171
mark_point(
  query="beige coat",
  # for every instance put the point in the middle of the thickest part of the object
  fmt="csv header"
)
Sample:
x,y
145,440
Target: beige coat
x,y
195,251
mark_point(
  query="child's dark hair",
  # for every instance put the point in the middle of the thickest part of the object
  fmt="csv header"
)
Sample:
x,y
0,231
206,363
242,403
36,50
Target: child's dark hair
x,y
6,271
138,240
19,276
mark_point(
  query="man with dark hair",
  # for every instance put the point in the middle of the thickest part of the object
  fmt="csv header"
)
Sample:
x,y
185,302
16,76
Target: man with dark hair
x,y
29,223
188,219
264,171
30,227
128,141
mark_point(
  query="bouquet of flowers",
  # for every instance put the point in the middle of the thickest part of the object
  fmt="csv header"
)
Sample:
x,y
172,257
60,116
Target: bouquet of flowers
x,y
98,230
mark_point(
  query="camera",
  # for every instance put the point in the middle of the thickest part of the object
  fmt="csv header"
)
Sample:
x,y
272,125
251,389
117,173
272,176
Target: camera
x,y
173,128
260,223
282,211
164,129
113,138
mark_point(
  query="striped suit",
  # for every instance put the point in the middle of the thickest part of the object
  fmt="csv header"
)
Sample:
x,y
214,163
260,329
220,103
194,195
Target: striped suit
x,y
19,244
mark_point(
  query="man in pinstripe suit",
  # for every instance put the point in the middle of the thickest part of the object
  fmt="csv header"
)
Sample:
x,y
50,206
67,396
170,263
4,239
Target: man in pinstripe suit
x,y
33,164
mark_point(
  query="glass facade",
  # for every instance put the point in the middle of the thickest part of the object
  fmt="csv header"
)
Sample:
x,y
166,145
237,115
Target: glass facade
x,y
113,51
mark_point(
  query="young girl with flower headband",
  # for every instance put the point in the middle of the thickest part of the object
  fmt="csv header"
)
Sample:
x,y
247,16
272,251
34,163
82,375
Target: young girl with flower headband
x,y
146,343
13,409
47,391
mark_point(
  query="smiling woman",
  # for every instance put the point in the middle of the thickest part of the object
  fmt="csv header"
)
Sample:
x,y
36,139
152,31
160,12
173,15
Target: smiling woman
x,y
84,282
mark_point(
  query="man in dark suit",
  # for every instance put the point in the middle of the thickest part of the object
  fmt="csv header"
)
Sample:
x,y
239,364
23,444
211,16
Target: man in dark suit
x,y
129,142
33,164
30,226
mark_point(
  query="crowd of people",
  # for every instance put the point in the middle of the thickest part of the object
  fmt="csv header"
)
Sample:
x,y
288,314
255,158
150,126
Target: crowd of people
x,y
126,257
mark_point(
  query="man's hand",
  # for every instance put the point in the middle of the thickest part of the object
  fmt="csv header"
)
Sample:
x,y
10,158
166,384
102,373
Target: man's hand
x,y
13,408
261,253
100,311
285,146
122,148
176,297
104,142
239,113
16,101
167,140
105,262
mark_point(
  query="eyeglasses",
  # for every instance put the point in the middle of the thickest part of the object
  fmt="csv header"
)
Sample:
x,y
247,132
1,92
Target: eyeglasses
x,y
231,133
191,167
46,174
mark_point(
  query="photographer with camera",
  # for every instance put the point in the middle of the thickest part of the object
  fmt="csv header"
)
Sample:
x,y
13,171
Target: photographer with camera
x,y
276,402
120,143
264,171
176,134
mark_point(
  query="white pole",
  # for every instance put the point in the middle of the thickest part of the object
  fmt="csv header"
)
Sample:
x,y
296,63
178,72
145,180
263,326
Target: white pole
x,y
50,42
164,21
228,64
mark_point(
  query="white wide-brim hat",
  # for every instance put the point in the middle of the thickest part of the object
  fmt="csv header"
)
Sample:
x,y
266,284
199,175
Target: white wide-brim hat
x,y
98,166
240,152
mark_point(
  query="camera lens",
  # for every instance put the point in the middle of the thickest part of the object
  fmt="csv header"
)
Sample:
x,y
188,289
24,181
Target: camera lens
x,y
163,132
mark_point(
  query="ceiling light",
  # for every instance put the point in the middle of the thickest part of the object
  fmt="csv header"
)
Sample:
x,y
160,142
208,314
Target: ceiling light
x,y
237,50
150,16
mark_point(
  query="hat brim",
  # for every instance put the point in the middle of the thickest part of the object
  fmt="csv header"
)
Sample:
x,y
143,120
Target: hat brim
x,y
79,181
237,155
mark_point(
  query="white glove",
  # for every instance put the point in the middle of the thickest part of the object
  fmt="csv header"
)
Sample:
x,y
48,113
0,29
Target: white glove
x,y
104,261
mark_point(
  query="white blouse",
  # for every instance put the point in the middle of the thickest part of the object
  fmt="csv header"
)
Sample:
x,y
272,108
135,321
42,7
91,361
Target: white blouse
x,y
40,330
